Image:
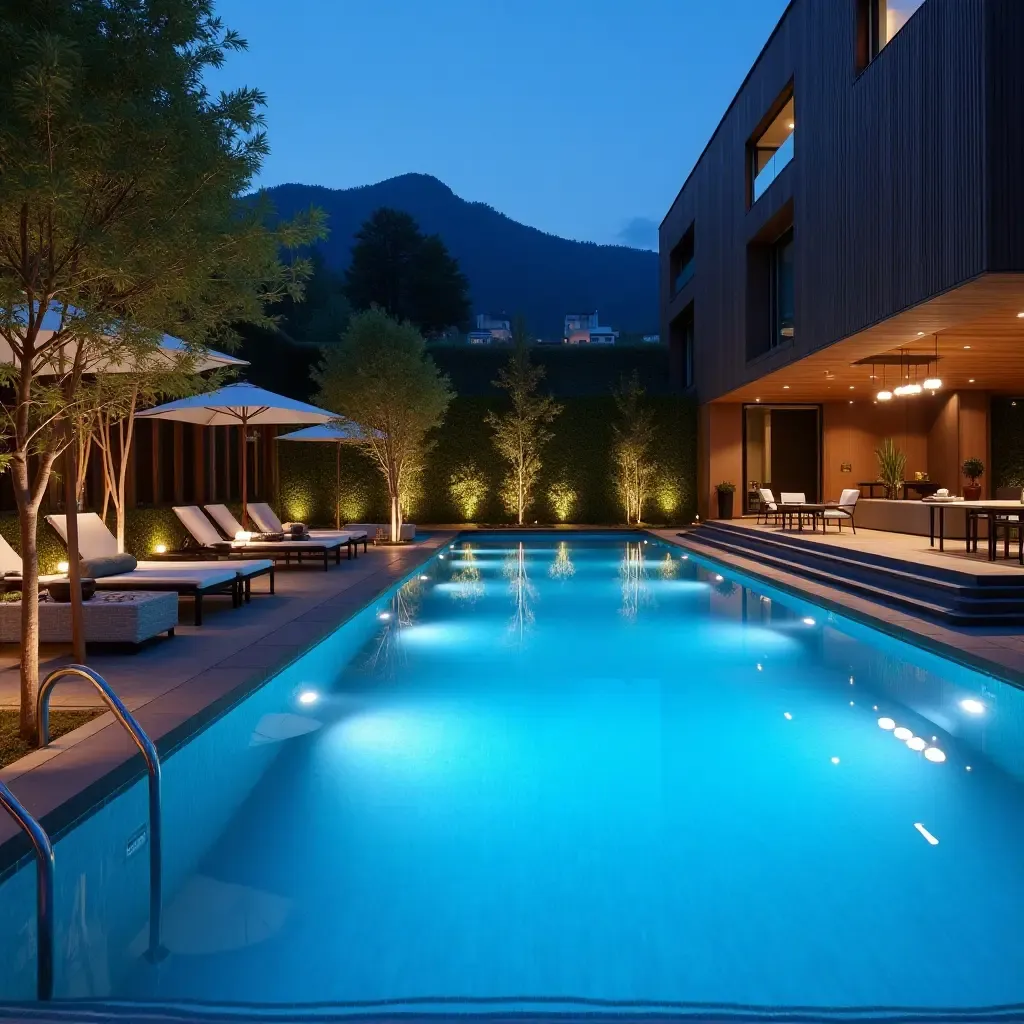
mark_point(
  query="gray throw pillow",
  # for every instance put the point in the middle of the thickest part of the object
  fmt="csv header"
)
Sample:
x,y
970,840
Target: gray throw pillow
x,y
110,565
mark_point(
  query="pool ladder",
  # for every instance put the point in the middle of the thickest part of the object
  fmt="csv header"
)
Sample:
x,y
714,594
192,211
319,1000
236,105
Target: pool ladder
x,y
43,847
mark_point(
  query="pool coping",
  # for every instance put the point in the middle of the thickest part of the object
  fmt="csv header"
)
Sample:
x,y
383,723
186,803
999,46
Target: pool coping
x,y
129,768
929,636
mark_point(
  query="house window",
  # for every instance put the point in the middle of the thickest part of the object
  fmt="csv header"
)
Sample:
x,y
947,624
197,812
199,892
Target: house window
x,y
681,344
681,262
772,150
878,21
783,291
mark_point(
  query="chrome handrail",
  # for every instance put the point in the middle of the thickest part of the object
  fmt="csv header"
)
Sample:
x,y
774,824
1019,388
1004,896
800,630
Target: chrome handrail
x,y
148,750
44,890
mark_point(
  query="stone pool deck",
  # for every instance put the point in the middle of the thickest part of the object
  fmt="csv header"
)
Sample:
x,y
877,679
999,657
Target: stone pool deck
x,y
997,651
175,686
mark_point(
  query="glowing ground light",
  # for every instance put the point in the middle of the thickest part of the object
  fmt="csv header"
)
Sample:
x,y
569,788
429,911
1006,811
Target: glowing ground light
x,y
901,732
63,567
936,755
886,723
808,621
916,743
308,697
931,839
972,706
160,549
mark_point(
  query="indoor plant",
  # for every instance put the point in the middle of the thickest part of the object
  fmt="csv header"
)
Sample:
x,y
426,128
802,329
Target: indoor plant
x,y
972,470
891,466
725,493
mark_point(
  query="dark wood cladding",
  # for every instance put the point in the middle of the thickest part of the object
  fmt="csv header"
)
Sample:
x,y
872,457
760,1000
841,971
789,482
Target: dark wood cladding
x,y
905,180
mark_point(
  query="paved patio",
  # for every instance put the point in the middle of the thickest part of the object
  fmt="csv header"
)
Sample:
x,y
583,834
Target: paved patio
x,y
167,682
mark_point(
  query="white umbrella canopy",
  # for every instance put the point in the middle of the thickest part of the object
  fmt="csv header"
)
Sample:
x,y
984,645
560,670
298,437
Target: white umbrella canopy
x,y
57,318
242,405
337,433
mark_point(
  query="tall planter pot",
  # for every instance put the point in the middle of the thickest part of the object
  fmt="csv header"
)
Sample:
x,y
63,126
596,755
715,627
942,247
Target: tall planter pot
x,y
725,504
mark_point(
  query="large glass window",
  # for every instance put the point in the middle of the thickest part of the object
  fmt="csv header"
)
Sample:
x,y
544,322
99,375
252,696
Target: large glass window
x,y
681,262
772,150
878,23
783,291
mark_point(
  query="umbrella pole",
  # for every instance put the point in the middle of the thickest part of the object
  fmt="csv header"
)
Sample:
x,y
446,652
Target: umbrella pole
x,y
337,486
242,455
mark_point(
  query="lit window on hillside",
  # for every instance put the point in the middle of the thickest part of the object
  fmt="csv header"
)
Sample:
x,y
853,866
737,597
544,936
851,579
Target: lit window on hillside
x,y
773,149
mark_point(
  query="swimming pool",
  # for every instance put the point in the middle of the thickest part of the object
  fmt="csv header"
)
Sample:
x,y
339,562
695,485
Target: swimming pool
x,y
582,771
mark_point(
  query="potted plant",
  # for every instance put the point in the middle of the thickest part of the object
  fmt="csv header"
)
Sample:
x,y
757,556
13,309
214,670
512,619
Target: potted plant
x,y
725,493
973,469
892,464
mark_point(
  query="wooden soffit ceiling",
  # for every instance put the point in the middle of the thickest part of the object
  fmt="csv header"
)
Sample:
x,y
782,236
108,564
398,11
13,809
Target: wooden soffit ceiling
x,y
976,327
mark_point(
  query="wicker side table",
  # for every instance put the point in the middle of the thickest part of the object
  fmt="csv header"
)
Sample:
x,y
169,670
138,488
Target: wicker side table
x,y
110,616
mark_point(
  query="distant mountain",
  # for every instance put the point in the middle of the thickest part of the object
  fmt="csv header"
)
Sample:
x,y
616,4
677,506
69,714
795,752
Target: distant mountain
x,y
511,267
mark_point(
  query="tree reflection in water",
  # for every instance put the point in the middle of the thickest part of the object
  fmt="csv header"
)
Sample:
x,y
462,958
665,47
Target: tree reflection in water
x,y
562,567
468,586
521,590
633,575
669,568
401,611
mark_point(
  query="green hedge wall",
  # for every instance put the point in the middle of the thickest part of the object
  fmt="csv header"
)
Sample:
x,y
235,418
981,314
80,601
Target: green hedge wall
x,y
578,454
1007,433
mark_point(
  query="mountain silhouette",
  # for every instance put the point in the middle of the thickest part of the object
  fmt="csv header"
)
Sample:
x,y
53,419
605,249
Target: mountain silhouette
x,y
511,267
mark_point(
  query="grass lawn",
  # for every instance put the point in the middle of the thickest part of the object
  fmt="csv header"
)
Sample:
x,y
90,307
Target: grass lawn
x,y
12,746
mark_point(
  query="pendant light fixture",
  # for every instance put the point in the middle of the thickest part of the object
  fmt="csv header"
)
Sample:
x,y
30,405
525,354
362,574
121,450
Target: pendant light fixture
x,y
934,383
885,395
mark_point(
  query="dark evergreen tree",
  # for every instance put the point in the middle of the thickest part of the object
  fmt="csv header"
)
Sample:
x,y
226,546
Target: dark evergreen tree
x,y
410,276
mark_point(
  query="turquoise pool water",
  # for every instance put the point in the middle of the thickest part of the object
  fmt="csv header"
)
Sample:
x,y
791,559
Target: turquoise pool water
x,y
594,769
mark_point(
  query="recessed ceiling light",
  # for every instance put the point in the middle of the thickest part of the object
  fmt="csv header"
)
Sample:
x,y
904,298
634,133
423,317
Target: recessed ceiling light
x,y
966,347
1020,316
970,380
757,399
792,125
920,334
785,387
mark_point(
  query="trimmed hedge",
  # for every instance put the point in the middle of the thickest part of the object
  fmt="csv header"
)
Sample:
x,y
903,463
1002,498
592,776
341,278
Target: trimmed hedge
x,y
577,455
1007,433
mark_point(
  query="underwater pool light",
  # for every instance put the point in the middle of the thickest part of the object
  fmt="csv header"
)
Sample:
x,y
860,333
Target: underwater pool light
x,y
309,697
972,706
384,616
936,755
787,716
886,723
916,743
835,760
809,621
901,732
718,579
928,836
424,577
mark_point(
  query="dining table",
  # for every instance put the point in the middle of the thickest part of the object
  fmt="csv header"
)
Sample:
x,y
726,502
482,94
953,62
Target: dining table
x,y
812,510
992,510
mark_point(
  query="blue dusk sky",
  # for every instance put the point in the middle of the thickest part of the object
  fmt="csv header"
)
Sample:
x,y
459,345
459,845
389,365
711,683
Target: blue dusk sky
x,y
579,117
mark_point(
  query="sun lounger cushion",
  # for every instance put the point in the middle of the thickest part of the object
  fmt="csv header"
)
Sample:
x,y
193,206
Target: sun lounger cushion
x,y
108,565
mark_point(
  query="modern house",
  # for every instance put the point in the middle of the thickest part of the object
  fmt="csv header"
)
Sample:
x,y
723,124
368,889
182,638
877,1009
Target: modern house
x,y
491,327
845,262
586,329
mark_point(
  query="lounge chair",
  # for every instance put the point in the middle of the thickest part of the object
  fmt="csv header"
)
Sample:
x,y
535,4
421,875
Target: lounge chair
x,y
265,518
278,549
10,568
769,506
844,512
185,578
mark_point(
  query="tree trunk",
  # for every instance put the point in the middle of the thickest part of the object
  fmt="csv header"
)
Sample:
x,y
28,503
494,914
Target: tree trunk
x,y
74,565
396,529
29,522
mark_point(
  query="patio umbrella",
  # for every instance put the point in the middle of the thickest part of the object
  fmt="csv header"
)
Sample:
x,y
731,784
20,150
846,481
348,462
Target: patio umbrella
x,y
169,349
337,433
242,405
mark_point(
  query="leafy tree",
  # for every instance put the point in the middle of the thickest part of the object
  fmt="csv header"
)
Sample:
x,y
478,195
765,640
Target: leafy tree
x,y
521,433
323,313
120,176
410,276
380,377
632,446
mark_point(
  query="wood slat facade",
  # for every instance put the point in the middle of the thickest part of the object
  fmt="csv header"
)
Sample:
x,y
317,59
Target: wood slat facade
x,y
904,184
